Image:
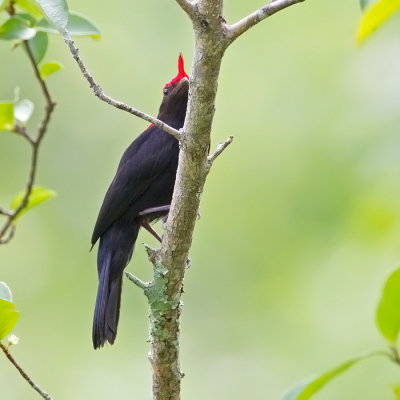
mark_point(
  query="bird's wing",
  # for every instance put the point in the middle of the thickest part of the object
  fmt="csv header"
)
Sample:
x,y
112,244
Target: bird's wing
x,y
142,162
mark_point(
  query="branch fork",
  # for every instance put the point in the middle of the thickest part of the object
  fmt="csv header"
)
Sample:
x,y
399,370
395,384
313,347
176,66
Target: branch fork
x,y
99,92
8,228
212,37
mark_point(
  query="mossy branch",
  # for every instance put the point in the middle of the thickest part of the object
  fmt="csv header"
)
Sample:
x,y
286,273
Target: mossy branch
x,y
213,35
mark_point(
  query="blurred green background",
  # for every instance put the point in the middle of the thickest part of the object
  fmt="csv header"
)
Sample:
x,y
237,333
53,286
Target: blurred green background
x,y
300,217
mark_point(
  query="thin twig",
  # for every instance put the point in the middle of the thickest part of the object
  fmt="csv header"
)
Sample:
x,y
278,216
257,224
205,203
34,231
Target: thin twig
x,y
24,374
10,235
220,148
240,27
5,212
139,283
394,355
35,145
41,81
98,91
21,130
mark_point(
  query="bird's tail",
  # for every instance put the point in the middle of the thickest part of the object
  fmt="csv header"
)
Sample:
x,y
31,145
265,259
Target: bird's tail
x,y
115,251
106,313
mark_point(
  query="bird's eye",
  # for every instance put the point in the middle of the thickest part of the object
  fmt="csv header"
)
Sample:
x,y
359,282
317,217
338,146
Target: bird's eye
x,y
165,90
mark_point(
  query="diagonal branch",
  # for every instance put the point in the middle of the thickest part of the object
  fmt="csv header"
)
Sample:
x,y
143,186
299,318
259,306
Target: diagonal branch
x,y
4,239
187,6
42,393
21,130
41,81
220,148
99,92
5,212
240,27
138,282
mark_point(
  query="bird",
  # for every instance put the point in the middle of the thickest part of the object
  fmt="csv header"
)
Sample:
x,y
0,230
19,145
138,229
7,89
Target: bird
x,y
139,194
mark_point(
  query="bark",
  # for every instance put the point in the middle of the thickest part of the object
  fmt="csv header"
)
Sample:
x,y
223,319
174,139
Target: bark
x,y
212,37
171,260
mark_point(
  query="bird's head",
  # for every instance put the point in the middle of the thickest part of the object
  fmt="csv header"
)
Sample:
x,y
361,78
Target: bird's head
x,y
175,96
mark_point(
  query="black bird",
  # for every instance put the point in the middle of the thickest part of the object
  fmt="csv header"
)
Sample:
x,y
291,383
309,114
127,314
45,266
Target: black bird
x,y
140,192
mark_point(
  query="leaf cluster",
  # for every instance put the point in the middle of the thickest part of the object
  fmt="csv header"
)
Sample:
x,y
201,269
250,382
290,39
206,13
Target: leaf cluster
x,y
27,24
388,325
26,21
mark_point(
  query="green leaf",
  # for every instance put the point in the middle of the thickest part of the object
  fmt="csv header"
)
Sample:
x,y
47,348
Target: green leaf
x,y
37,196
32,7
6,116
78,25
49,68
15,28
5,292
38,45
28,19
305,390
23,110
56,12
8,318
388,311
374,16
396,390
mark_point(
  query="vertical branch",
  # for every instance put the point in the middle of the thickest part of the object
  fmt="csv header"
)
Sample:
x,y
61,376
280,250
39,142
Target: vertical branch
x,y
164,336
171,260
212,37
